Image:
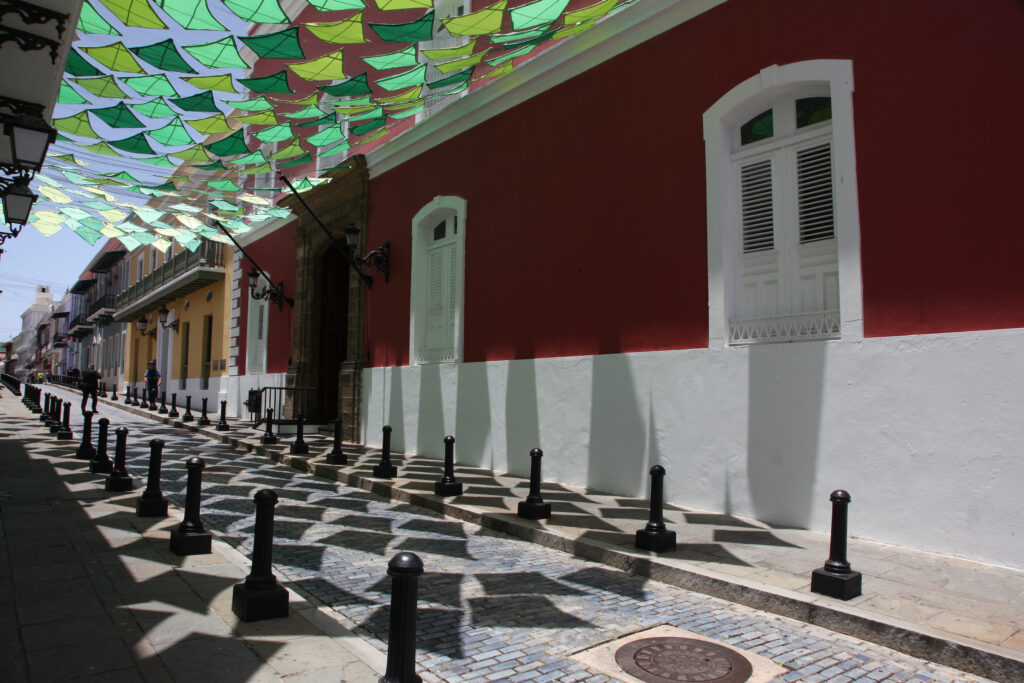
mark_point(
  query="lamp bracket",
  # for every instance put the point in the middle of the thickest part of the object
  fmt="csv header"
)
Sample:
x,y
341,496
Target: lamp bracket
x,y
34,14
29,41
21,107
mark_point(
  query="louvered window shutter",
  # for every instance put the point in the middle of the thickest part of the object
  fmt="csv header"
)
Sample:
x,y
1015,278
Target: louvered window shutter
x,y
814,193
756,204
435,299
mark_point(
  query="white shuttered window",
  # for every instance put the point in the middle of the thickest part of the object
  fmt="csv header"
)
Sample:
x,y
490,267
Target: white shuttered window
x,y
437,274
787,280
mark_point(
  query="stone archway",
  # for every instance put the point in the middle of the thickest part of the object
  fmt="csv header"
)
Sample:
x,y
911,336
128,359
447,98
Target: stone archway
x,y
342,201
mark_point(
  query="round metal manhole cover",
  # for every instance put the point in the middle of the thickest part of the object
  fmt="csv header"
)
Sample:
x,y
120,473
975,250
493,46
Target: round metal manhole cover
x,y
682,659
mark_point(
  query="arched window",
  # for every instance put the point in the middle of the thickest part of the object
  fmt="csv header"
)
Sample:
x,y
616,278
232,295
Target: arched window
x,y
783,235
438,243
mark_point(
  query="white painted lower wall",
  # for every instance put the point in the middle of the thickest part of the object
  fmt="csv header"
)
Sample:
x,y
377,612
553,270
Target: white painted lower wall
x,y
925,432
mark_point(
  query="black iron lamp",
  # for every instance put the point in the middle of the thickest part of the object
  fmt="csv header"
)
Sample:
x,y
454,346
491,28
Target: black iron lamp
x,y
140,325
162,317
274,294
379,258
26,133
17,201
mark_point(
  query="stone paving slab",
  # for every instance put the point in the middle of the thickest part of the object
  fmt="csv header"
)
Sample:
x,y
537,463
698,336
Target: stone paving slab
x,y
494,607
92,592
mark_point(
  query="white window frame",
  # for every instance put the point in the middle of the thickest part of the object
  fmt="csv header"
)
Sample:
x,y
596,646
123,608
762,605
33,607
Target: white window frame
x,y
423,224
721,121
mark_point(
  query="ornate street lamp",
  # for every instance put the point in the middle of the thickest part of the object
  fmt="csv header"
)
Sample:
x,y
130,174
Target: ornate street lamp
x,y
17,202
162,317
140,325
26,135
379,258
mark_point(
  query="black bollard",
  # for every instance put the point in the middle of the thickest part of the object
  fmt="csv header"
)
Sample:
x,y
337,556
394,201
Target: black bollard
x,y
118,479
103,390
222,426
299,447
337,456
203,420
405,570
655,536
135,397
190,538
385,470
127,394
260,596
101,461
113,392
65,431
534,506
86,451
152,400
47,414
448,485
188,417
54,422
268,437
163,403
836,579
173,412
151,503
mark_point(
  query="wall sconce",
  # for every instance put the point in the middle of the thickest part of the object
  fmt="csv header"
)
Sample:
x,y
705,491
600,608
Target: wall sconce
x,y
26,135
379,258
162,317
17,203
274,294
140,325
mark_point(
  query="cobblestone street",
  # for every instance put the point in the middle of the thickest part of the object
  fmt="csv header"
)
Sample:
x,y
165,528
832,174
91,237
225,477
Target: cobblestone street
x,y
491,607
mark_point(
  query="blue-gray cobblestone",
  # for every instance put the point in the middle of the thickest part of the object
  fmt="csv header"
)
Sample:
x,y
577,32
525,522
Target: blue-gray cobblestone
x,y
492,607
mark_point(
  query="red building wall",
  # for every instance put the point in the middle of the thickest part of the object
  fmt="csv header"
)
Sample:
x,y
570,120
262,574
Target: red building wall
x,y
586,222
275,254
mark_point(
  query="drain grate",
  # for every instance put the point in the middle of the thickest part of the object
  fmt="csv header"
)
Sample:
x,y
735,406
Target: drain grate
x,y
682,660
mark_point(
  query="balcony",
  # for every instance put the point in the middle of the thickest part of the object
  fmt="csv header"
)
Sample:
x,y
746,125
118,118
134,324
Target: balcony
x,y
102,310
184,273
79,326
60,341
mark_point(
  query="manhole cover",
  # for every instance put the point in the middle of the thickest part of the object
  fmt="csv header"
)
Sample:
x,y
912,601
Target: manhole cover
x,y
682,659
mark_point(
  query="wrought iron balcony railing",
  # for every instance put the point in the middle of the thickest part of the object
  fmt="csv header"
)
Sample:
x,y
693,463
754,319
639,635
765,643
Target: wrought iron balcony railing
x,y
208,255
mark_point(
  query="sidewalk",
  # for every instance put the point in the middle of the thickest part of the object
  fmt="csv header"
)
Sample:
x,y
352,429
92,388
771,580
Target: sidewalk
x,y
90,591
962,614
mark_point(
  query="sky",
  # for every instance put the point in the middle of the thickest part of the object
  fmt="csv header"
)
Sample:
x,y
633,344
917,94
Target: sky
x,y
32,259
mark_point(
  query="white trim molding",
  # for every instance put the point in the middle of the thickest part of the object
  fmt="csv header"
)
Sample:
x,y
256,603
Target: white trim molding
x,y
736,106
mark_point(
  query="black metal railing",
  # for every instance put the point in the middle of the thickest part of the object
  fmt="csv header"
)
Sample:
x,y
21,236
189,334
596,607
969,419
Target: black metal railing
x,y
209,254
12,383
105,301
278,399
78,320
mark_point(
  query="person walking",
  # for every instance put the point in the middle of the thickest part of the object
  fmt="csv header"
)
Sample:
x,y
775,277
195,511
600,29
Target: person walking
x,y
41,376
90,382
152,381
